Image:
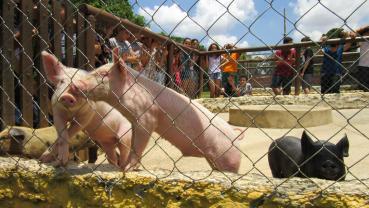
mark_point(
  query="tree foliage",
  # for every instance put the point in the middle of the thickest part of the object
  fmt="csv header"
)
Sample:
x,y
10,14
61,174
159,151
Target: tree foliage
x,y
120,8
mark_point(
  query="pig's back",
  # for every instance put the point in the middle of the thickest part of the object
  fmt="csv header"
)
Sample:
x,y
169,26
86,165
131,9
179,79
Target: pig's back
x,y
284,156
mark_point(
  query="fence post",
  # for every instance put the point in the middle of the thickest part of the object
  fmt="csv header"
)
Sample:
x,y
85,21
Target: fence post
x,y
297,68
202,69
69,36
81,43
170,80
43,45
7,63
90,43
56,29
26,69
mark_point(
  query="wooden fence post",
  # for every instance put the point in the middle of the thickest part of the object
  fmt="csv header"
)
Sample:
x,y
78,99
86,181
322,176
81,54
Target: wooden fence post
x,y
170,72
43,45
56,29
69,35
7,65
81,42
26,69
90,43
201,78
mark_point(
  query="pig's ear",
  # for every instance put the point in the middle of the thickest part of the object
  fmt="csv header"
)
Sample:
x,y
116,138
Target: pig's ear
x,y
307,144
343,145
119,62
52,66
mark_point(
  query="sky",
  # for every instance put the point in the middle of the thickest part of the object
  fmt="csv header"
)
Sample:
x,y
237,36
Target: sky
x,y
249,23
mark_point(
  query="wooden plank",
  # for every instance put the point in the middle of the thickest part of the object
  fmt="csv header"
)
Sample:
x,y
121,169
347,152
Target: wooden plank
x,y
201,79
81,43
56,28
7,65
170,72
26,68
90,43
69,31
43,44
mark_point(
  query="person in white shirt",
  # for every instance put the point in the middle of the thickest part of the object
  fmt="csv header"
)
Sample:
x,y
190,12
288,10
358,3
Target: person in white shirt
x,y
120,40
215,73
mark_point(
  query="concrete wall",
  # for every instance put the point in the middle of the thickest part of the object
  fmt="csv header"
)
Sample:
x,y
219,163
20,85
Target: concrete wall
x,y
26,183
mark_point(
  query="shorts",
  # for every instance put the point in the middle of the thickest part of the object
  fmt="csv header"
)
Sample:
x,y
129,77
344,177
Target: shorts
x,y
215,76
281,81
306,81
189,74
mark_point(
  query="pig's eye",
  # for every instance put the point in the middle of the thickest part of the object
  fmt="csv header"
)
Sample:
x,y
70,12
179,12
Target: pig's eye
x,y
104,74
62,82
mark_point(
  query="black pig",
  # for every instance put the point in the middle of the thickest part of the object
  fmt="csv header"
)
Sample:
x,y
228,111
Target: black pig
x,y
319,159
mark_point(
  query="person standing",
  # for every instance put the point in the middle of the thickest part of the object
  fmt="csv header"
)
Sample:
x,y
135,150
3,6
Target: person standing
x,y
363,66
215,74
285,63
331,71
120,40
186,68
308,67
229,71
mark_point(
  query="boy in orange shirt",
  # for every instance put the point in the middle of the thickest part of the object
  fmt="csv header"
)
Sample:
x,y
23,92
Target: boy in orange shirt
x,y
229,71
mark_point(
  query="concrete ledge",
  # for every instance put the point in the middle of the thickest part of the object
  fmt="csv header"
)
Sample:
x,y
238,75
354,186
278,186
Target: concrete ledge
x,y
337,101
26,183
278,116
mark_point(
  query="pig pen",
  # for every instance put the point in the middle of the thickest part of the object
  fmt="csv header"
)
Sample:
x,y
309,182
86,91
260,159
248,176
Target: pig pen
x,y
167,179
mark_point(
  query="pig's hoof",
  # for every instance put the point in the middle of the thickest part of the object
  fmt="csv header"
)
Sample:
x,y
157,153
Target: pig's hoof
x,y
131,167
47,158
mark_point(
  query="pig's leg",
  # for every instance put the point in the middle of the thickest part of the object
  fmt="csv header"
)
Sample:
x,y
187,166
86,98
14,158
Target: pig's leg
x,y
140,139
60,149
124,145
109,149
228,161
63,135
61,128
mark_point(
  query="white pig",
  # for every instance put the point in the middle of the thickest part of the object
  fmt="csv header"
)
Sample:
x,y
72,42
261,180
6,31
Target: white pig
x,y
150,107
103,123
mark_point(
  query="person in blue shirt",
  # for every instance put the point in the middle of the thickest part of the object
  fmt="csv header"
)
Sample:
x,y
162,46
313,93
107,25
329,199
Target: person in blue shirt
x,y
332,68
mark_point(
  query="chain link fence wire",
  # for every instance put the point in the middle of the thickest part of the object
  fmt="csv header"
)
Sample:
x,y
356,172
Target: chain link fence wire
x,y
82,36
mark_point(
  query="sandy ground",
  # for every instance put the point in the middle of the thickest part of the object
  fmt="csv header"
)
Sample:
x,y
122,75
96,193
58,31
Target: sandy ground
x,y
354,122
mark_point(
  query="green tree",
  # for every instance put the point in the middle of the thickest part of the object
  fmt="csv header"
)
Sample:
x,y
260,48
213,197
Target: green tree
x,y
120,8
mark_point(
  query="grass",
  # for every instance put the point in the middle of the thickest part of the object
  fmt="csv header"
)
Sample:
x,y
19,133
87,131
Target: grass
x,y
205,94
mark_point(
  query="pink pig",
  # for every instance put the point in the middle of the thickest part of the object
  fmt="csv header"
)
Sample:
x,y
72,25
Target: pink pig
x,y
151,107
103,123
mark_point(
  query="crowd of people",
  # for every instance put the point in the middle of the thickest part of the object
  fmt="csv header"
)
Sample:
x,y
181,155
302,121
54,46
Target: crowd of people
x,y
148,56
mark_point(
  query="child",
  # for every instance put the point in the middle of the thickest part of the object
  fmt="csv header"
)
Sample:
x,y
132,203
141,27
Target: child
x,y
215,74
244,88
229,71
331,70
186,68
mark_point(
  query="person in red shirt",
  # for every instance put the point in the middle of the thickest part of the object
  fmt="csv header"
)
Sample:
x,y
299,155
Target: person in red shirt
x,y
282,77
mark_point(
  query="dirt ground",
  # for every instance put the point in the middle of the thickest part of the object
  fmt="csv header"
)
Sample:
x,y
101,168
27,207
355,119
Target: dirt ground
x,y
354,122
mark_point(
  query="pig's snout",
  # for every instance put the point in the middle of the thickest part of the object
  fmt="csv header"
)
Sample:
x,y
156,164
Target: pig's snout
x,y
68,100
330,169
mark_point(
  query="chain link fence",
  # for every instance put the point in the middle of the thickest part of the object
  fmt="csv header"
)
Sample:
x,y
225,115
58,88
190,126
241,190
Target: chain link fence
x,y
37,92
